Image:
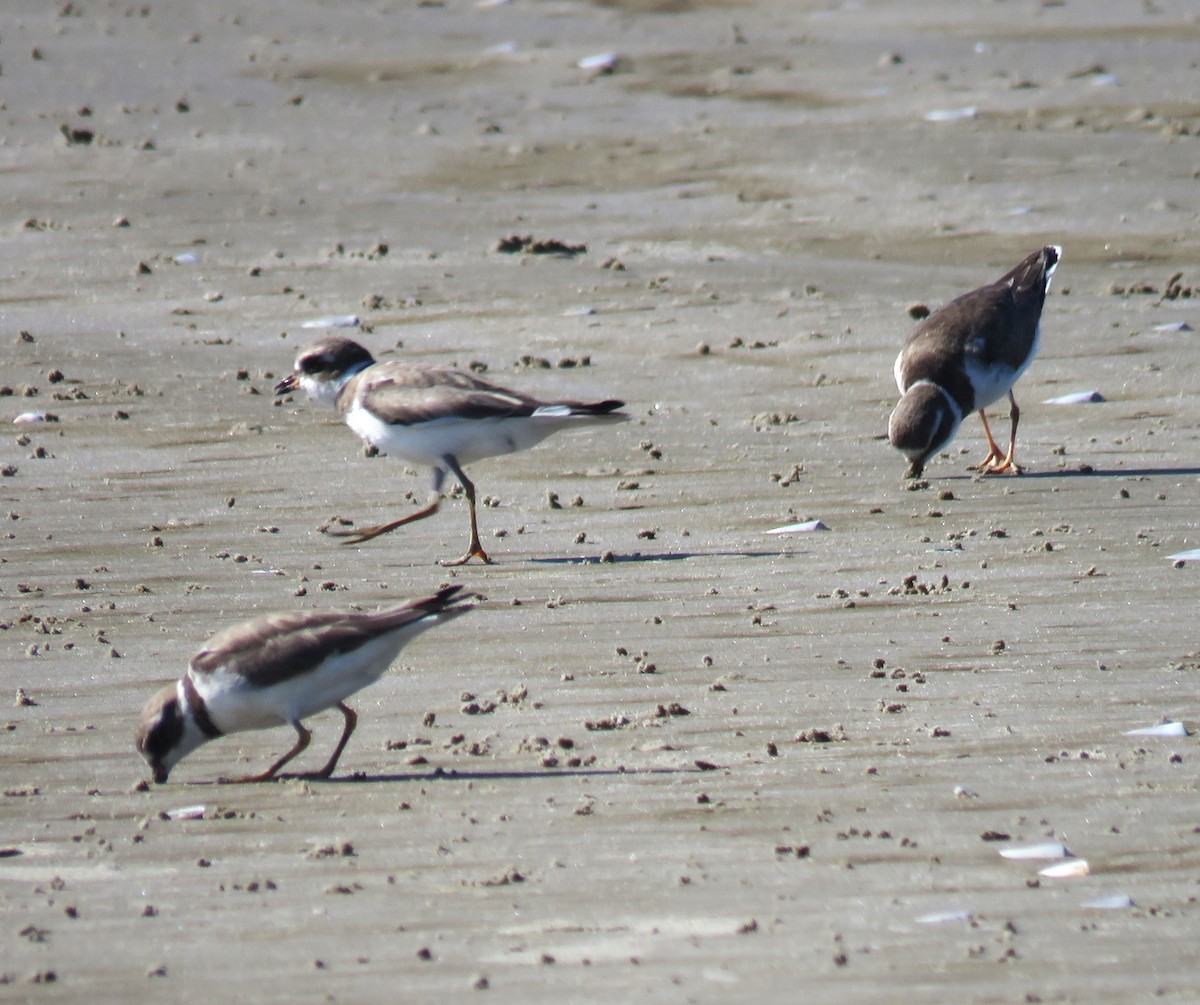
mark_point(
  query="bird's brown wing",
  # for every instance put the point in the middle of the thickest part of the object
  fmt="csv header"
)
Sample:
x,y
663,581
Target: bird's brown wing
x,y
278,647
407,394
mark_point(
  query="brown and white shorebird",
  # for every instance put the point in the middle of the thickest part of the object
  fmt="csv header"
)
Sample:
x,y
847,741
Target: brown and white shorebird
x,y
432,415
966,355
278,670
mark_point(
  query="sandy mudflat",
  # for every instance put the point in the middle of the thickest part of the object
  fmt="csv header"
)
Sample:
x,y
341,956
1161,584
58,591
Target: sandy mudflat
x,y
878,705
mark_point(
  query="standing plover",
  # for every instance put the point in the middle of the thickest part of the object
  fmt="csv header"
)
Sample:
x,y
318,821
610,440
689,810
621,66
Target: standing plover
x,y
432,415
966,355
278,670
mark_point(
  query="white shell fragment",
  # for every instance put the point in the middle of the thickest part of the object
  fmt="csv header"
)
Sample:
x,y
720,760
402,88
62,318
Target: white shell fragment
x,y
943,917
29,418
1181,556
186,813
333,321
799,528
185,258
965,792
1045,850
1066,870
1173,326
1113,902
1078,398
602,62
579,312
951,114
1162,729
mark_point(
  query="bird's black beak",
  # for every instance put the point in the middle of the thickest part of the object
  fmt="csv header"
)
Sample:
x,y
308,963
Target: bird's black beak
x,y
287,385
160,774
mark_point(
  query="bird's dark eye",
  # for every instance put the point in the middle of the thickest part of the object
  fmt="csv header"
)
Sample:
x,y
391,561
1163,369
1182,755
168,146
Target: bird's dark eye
x,y
314,364
164,734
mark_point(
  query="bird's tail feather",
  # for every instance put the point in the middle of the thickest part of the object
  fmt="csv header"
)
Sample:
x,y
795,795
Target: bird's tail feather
x,y
569,409
449,602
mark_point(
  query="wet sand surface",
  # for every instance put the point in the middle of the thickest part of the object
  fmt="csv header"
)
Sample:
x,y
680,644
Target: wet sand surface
x,y
720,763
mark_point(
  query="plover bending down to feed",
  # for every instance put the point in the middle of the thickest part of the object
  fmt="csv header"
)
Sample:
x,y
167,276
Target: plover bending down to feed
x,y
432,415
278,670
966,355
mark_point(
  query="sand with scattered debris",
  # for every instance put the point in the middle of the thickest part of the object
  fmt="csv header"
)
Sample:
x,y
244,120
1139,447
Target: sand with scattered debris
x,y
722,763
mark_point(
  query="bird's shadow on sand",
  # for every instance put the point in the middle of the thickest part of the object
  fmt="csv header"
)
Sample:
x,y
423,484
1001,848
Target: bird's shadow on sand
x,y
656,556
455,775
546,774
1190,472
1087,472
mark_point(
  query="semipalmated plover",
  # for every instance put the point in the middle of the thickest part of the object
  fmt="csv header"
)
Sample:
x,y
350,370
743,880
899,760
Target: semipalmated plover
x,y
432,415
278,670
966,355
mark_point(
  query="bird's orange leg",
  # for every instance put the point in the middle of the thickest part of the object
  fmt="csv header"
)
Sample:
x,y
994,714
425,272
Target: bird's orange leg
x,y
302,738
996,464
1008,464
362,534
351,722
474,548
994,454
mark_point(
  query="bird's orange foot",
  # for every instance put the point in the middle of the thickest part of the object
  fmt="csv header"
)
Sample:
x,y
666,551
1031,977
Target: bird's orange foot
x,y
357,535
331,530
988,464
356,538
1000,466
475,552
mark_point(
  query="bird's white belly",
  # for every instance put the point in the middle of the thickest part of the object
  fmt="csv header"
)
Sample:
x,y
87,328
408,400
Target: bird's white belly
x,y
993,383
465,439
990,383
236,705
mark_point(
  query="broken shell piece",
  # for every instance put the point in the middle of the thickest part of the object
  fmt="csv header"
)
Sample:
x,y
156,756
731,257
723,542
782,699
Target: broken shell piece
x,y
1179,556
334,321
29,418
1113,902
1066,870
1173,326
602,62
1078,398
1045,850
186,813
943,917
799,528
965,792
185,258
1162,729
951,114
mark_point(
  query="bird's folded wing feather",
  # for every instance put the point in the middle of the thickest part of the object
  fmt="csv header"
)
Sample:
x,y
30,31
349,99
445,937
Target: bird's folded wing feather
x,y
407,395
278,647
